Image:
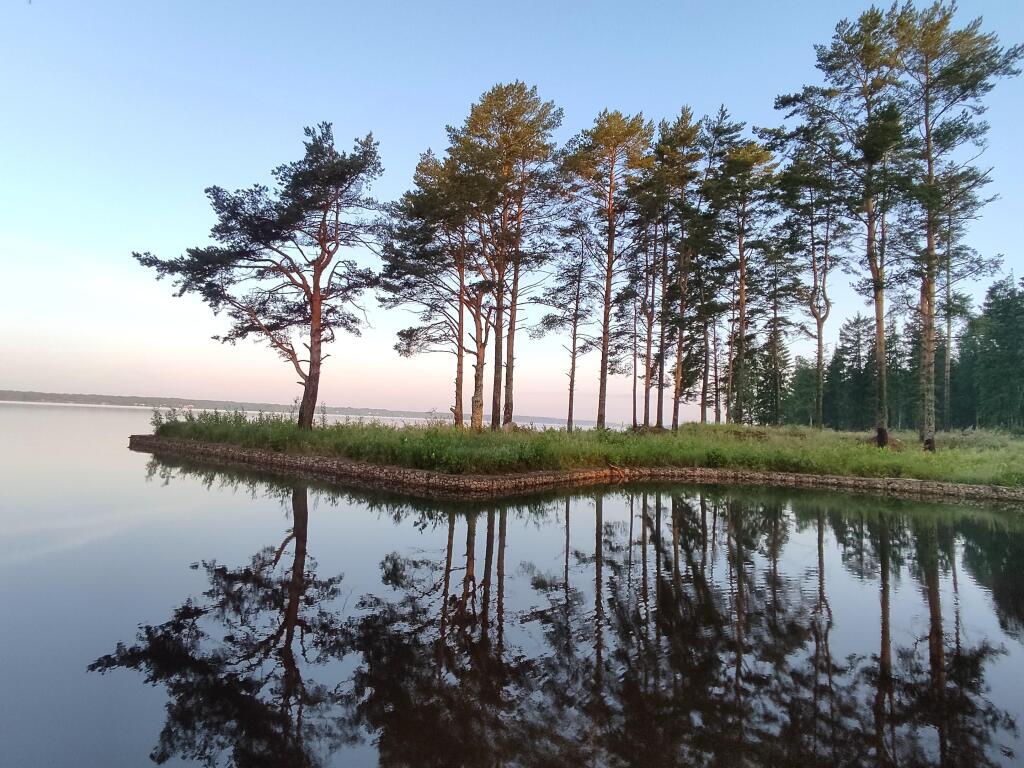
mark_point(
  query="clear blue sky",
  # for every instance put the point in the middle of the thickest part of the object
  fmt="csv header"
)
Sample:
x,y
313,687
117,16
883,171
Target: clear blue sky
x,y
116,115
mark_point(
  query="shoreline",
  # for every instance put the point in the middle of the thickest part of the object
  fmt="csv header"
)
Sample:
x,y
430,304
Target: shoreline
x,y
431,484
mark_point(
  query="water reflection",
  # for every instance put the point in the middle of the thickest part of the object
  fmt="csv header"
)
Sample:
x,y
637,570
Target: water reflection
x,y
236,662
689,627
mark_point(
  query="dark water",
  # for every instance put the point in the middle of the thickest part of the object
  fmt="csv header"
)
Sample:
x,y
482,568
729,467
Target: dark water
x,y
240,620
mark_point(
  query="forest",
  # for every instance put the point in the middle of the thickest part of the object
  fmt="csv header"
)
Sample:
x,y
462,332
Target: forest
x,y
691,255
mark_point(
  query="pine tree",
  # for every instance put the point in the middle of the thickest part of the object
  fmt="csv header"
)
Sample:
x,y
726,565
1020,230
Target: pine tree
x,y
505,151
428,264
859,105
947,72
743,193
676,164
958,263
279,269
811,189
570,297
600,161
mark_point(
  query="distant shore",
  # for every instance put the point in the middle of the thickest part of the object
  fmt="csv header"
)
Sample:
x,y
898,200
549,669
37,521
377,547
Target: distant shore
x,y
185,403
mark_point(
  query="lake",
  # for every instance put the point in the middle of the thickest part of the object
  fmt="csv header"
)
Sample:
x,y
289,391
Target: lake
x,y
168,611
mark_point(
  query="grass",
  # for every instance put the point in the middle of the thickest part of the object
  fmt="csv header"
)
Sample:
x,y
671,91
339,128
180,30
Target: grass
x,y
983,458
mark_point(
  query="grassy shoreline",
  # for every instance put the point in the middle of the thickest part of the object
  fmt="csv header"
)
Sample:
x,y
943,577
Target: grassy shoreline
x,y
980,458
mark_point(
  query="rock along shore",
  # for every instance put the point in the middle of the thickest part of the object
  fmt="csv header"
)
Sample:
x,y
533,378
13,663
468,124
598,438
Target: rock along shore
x,y
440,485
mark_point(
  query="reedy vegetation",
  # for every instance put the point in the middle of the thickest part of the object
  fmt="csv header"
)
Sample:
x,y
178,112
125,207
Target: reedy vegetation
x,y
979,457
682,253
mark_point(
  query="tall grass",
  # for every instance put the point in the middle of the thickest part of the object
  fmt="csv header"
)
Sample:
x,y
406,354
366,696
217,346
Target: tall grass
x,y
984,458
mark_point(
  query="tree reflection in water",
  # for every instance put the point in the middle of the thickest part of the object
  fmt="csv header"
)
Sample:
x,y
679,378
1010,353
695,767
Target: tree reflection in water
x,y
234,661
679,633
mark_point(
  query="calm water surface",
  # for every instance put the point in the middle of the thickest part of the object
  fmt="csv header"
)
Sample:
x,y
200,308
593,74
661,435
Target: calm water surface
x,y
162,611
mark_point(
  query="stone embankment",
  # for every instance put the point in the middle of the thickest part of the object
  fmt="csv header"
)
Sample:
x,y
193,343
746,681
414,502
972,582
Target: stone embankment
x,y
440,485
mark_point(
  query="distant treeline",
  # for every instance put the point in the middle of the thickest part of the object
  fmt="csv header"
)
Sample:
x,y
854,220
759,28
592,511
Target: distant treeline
x,y
983,385
23,396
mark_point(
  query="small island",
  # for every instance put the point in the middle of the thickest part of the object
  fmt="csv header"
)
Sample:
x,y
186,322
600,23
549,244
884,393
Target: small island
x,y
440,461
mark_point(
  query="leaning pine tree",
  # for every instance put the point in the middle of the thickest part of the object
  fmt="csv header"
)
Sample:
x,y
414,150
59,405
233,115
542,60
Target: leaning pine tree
x,y
277,268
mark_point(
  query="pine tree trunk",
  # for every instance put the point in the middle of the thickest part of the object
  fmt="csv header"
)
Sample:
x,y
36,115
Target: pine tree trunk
x,y
602,391
572,381
476,419
635,356
928,299
460,352
310,392
820,307
677,381
510,357
717,382
573,351
652,283
819,379
499,330
947,362
730,363
777,364
928,357
704,376
606,316
878,296
740,357
660,420
677,384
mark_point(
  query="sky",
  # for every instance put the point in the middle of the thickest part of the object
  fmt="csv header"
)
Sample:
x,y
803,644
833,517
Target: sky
x,y
114,116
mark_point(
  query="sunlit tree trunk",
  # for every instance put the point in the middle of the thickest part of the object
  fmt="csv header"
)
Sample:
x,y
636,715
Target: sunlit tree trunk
x,y
499,351
650,297
480,322
739,366
718,393
660,419
947,363
877,268
311,383
677,384
927,307
705,374
606,310
460,349
635,359
513,308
